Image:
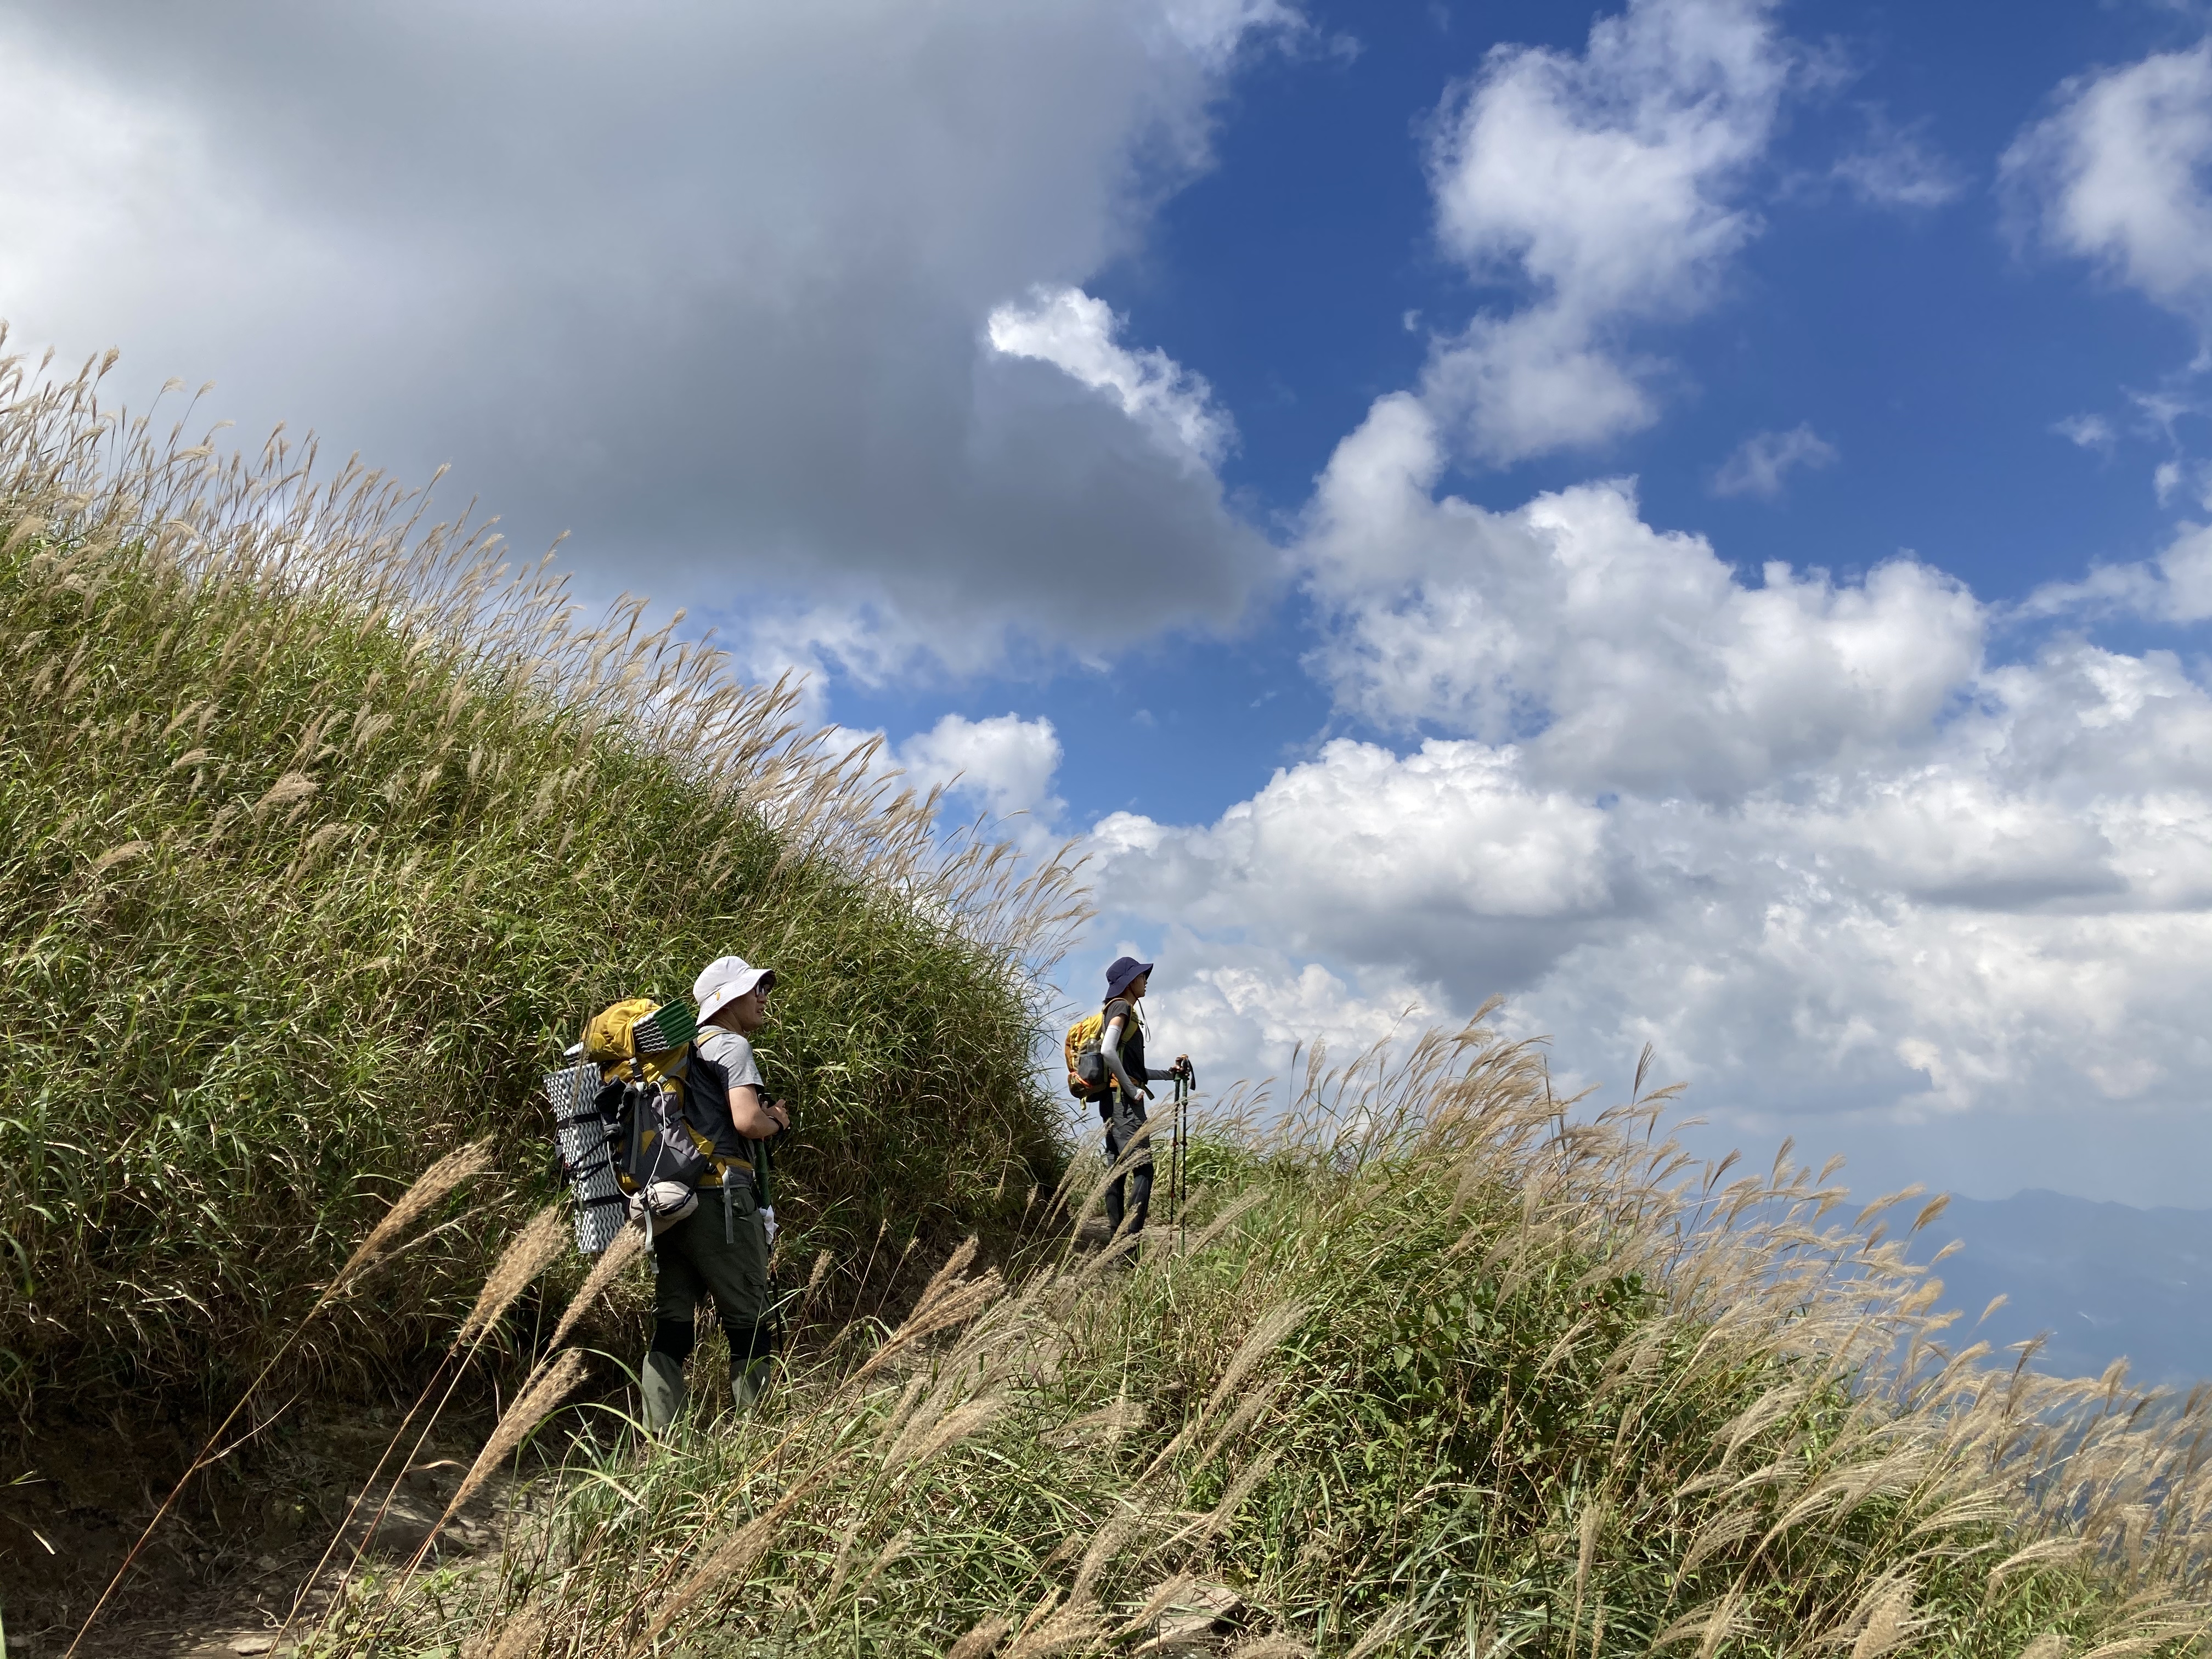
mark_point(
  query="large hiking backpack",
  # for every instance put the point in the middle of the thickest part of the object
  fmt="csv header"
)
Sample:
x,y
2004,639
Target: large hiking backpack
x,y
620,1129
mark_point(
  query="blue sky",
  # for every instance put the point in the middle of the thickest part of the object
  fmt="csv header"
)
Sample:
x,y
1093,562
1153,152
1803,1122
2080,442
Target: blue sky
x,y
1686,513
1925,343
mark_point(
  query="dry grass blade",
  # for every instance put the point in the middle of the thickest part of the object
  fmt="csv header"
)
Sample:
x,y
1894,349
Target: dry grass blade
x,y
1247,1481
1385,1629
980,1640
1889,1623
1111,1538
419,1199
1229,1218
2044,1549
1274,1644
627,1246
1698,1623
546,1391
943,1279
539,1245
963,1420
1721,1626
1277,1323
1063,1632
1265,1336
1109,1425
1164,1595
726,1569
1255,1406
429,1190
951,1306
520,1636
1587,1530
885,1557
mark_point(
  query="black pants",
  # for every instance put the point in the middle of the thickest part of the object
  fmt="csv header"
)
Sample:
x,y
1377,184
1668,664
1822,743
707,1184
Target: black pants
x,y
1129,1193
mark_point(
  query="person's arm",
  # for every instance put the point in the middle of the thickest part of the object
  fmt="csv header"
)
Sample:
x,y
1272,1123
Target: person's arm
x,y
1109,1050
755,1119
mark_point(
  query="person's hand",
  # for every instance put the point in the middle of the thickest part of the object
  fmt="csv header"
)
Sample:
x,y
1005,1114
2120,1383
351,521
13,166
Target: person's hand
x,y
1182,1065
781,1112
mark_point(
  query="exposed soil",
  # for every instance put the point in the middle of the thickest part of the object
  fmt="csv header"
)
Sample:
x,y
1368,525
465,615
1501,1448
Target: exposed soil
x,y
222,1574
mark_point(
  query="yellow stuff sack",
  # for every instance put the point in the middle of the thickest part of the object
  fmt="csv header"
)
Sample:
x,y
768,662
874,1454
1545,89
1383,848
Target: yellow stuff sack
x,y
1086,1067
639,1040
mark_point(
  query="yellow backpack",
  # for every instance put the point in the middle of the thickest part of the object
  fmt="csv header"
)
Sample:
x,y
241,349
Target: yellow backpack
x,y
640,1041
1086,1067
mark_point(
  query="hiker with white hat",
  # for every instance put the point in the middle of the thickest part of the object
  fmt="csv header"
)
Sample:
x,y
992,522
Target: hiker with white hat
x,y
720,1250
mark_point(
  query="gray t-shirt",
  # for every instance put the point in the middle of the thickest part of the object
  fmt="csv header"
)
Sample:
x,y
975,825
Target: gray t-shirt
x,y
732,1053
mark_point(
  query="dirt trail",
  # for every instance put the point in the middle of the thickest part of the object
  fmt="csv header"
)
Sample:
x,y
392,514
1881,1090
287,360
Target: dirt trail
x,y
222,1575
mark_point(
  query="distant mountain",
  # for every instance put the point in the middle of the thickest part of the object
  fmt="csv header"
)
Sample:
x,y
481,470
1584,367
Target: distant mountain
x,y
2103,1279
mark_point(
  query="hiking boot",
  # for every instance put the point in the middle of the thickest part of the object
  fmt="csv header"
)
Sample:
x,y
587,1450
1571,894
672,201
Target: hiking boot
x,y
748,1386
661,1382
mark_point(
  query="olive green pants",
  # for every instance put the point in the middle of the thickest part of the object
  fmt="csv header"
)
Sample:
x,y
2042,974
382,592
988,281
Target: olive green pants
x,y
719,1252
696,1259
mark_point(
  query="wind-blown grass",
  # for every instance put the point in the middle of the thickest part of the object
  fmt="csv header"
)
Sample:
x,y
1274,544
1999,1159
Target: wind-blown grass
x,y
1465,1381
322,830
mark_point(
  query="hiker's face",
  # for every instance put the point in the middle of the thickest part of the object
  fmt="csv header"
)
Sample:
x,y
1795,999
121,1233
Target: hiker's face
x,y
749,1012
1137,987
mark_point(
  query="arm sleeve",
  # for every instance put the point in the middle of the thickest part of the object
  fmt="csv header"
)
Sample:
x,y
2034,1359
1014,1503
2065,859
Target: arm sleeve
x,y
1109,1050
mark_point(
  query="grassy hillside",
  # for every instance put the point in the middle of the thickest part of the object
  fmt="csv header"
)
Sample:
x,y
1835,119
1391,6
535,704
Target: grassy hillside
x,y
321,832
1464,1384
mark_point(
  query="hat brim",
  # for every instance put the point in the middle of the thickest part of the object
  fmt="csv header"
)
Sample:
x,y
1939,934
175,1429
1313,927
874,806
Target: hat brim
x,y
731,989
1114,988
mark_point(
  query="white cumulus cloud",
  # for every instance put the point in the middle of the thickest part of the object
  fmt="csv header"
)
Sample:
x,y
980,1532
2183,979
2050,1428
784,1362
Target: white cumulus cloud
x,y
1004,761
2115,174
2087,431
1896,168
705,287
1609,185
1075,333
1808,836
1618,656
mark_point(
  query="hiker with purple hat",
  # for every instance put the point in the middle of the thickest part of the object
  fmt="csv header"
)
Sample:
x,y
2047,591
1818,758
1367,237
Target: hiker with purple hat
x,y
1121,1047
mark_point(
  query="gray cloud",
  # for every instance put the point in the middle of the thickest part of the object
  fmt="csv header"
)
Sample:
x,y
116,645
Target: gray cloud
x,y
705,285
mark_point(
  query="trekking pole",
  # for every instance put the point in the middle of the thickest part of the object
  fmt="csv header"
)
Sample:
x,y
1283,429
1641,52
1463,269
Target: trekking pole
x,y
1183,1144
1189,1087
1175,1157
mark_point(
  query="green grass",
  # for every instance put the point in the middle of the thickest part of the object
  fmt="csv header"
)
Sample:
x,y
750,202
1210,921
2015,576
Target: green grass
x,y
1464,1385
320,836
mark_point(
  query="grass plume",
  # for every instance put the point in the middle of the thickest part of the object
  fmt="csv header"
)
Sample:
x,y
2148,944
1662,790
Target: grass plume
x,y
327,821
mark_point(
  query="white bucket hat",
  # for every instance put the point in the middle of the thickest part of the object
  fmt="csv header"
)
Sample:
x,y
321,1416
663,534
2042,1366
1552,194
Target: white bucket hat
x,y
723,980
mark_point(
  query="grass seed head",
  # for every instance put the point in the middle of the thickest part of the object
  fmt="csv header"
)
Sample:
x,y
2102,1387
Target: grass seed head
x,y
430,1189
541,1241
629,1245
553,1384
